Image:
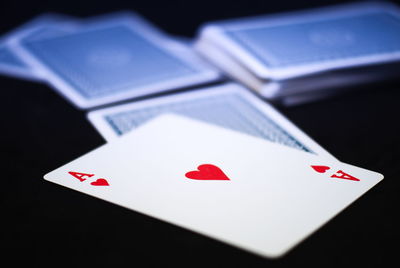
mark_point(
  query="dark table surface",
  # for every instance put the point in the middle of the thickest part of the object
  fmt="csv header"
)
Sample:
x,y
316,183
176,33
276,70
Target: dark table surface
x,y
43,223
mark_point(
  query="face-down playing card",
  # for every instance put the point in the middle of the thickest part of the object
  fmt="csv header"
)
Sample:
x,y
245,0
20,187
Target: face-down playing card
x,y
113,58
281,46
228,105
242,190
11,63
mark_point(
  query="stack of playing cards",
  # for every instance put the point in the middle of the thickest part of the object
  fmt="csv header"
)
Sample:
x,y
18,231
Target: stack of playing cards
x,y
302,54
104,59
219,162
291,57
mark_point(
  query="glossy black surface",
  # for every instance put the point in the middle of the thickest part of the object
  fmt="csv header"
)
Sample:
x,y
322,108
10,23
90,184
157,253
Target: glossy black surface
x,y
43,223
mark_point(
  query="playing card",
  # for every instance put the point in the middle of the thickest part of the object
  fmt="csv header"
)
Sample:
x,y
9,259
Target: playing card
x,y
13,64
228,105
287,45
296,90
239,189
113,58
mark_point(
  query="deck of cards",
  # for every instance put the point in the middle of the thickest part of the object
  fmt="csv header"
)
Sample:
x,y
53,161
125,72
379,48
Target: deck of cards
x,y
306,54
188,146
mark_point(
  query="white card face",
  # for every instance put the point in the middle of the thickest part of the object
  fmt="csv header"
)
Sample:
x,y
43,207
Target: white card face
x,y
242,190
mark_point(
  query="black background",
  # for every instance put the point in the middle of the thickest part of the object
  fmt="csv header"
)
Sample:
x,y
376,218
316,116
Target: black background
x,y
43,223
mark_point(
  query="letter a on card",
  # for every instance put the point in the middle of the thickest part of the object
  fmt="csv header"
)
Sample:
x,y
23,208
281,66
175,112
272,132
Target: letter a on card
x,y
341,175
80,176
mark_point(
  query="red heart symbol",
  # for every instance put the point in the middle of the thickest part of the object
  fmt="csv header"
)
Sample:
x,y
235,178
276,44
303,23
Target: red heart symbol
x,y
207,172
100,182
320,169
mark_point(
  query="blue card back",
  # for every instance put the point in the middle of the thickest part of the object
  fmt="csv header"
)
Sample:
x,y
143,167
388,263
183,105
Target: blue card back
x,y
321,40
8,58
229,110
107,61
